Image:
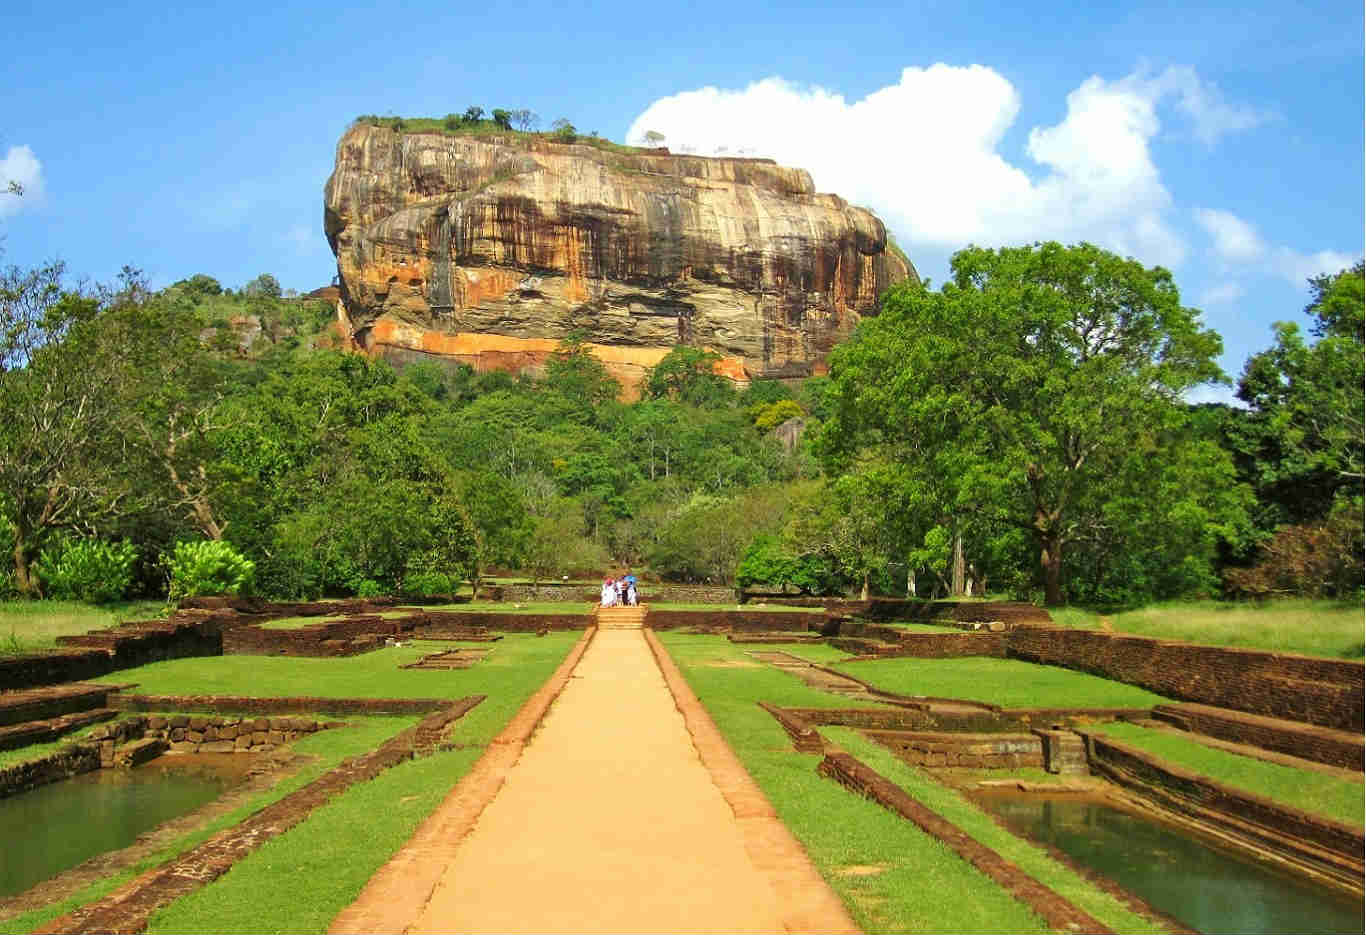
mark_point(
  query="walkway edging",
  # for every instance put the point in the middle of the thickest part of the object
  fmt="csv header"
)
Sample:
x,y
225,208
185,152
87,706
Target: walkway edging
x,y
808,903
385,903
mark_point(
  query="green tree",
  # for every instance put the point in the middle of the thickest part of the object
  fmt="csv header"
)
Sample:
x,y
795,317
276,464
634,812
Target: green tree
x,y
1301,440
1024,386
686,375
502,118
473,114
564,131
263,286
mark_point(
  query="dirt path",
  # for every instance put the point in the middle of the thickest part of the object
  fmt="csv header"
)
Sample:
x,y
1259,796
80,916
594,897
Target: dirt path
x,y
609,822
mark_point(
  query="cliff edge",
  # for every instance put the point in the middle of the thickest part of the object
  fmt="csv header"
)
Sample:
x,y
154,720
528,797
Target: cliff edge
x,y
490,249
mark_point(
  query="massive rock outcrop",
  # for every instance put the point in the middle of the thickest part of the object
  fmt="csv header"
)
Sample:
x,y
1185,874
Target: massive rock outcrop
x,y
491,249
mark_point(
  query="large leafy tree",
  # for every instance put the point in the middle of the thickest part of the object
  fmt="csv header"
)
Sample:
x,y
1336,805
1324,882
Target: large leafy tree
x,y
1022,389
1301,440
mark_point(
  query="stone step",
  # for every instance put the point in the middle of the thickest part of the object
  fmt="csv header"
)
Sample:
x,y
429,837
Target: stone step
x,y
36,704
1333,747
14,736
139,751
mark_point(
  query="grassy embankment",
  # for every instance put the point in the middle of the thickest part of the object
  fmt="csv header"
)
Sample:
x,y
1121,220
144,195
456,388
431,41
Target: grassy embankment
x,y
1009,683
33,626
894,877
300,880
1323,794
1290,625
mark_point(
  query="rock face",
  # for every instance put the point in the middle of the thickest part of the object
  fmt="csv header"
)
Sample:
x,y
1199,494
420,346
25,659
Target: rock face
x,y
491,249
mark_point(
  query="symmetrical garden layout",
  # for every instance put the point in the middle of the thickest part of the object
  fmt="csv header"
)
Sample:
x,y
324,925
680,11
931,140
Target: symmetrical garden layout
x,y
804,769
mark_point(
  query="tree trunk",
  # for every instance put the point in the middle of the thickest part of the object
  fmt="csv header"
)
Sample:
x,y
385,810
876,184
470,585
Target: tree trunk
x,y
1050,557
958,563
863,596
910,580
24,579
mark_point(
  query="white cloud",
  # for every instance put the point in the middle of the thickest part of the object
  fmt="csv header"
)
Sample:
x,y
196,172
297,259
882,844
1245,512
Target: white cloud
x,y
1297,267
925,152
1235,240
1221,294
22,167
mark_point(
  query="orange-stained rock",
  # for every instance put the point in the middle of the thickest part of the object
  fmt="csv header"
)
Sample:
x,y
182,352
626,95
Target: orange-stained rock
x,y
490,250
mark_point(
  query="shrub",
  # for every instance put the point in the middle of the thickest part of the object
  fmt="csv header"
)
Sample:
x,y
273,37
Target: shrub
x,y
424,584
369,588
208,567
87,570
1321,559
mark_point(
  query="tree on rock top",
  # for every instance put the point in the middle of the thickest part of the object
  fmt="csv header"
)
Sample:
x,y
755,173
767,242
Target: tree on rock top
x,y
1042,390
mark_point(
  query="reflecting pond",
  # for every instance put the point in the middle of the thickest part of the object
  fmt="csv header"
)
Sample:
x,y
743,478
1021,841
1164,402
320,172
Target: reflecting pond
x,y
55,827
1209,889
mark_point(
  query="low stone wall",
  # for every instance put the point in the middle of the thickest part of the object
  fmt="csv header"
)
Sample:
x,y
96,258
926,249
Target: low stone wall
x,y
65,763
1307,741
737,621
239,704
125,647
1057,912
193,733
1329,848
1281,685
559,592
955,717
979,751
946,645
885,608
345,637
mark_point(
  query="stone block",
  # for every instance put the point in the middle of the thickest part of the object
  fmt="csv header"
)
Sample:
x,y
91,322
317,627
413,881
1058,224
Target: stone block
x,y
243,742
227,732
194,736
261,724
217,746
276,736
180,720
210,732
259,737
198,723
156,722
177,734
183,746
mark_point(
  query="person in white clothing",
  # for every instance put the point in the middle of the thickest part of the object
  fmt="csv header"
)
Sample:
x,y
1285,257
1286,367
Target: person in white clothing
x,y
609,593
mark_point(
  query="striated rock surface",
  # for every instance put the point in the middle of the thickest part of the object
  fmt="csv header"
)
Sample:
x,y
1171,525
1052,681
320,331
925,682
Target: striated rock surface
x,y
491,249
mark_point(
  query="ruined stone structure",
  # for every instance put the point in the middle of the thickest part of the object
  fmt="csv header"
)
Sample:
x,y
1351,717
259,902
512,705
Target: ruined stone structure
x,y
490,250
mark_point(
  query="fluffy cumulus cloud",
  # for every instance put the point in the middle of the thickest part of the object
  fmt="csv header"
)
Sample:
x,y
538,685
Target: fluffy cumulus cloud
x,y
1237,244
22,168
925,153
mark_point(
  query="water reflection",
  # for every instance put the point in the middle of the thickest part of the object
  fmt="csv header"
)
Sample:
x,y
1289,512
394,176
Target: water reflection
x,y
55,827
1209,890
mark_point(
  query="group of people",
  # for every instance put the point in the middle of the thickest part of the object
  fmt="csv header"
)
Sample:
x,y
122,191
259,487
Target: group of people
x,y
620,591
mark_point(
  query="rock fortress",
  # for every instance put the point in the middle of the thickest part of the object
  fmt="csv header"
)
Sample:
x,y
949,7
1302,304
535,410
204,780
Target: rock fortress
x,y
490,250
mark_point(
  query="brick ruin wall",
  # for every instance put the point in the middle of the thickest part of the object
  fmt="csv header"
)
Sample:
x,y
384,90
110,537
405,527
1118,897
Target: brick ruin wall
x,y
1327,692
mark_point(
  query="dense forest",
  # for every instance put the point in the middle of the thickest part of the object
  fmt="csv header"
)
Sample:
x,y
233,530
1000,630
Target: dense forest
x,y
1021,430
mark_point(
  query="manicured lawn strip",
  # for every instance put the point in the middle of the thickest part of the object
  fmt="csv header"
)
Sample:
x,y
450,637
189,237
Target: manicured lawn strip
x,y
743,608
328,748
953,806
1318,793
299,881
369,675
820,653
924,887
1009,683
295,623
36,751
32,626
1291,625
517,607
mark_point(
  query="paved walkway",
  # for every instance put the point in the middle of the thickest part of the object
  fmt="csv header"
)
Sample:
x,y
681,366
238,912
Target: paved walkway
x,y
609,822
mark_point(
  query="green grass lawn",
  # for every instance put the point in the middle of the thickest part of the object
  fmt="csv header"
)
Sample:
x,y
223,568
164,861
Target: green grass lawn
x,y
325,750
370,675
33,626
1006,682
301,880
518,607
916,883
1294,625
1319,793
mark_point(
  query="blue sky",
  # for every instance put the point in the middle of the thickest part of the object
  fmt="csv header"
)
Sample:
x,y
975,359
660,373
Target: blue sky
x,y
1224,141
